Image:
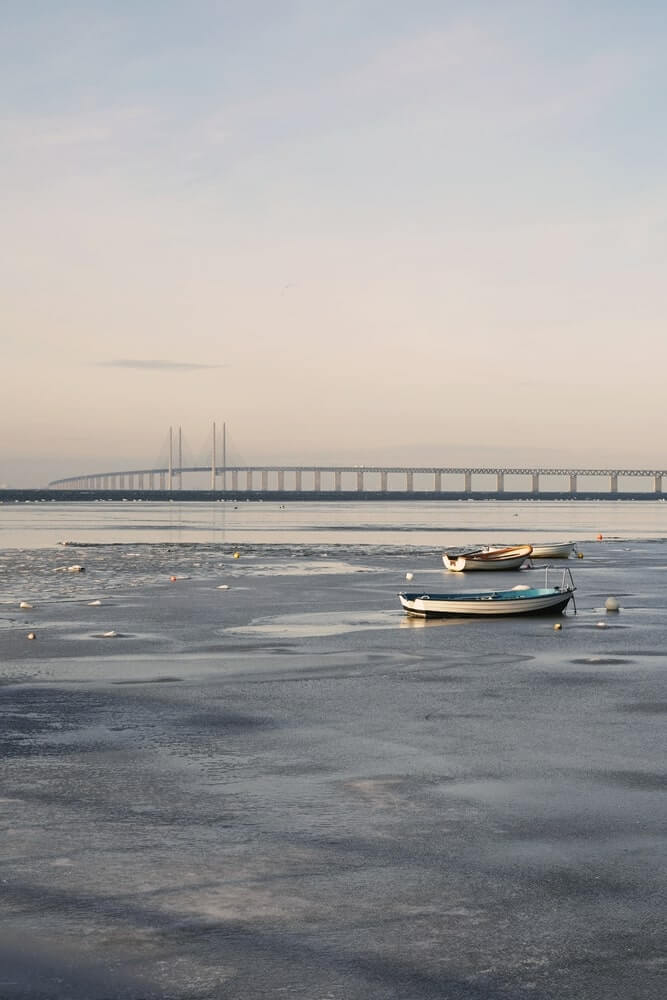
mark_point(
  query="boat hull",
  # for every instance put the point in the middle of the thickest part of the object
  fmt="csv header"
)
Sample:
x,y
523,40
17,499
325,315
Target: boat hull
x,y
487,604
557,550
491,557
463,563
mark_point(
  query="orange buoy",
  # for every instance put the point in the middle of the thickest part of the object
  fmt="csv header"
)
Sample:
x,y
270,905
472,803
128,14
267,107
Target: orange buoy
x,y
599,538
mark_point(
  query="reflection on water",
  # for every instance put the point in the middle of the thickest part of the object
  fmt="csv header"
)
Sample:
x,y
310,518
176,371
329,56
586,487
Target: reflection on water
x,y
412,621
317,624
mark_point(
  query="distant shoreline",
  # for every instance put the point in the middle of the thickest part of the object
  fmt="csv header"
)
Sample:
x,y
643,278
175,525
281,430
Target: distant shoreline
x,y
301,496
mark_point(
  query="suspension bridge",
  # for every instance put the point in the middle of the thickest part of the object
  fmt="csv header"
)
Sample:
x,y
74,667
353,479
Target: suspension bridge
x,y
220,477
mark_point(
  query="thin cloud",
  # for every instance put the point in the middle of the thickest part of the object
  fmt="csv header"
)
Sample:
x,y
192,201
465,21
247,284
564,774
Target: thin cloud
x,y
157,365
78,129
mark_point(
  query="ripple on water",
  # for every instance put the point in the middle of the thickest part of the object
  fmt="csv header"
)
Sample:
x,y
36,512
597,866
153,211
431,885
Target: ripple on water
x,y
645,707
601,661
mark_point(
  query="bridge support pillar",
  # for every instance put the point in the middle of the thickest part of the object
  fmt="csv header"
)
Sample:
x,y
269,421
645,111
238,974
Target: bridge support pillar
x,y
437,482
500,482
383,482
536,482
338,480
317,481
657,483
360,480
265,479
573,483
235,480
297,480
613,482
467,482
281,480
162,480
409,481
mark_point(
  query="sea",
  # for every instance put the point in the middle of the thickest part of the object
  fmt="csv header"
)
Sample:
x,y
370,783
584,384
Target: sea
x,y
232,768
406,524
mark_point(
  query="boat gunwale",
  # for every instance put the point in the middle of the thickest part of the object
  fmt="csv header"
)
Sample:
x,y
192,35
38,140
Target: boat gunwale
x,y
491,554
486,595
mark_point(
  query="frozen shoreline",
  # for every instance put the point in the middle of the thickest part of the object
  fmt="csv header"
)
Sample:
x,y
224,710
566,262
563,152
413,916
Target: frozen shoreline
x,y
288,786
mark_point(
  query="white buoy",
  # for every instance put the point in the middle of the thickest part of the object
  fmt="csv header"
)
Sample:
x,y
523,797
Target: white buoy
x,y
25,606
557,626
601,624
223,586
94,604
611,604
409,576
31,635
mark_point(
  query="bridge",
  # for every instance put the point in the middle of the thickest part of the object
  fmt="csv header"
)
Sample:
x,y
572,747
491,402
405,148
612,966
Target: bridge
x,y
313,481
224,479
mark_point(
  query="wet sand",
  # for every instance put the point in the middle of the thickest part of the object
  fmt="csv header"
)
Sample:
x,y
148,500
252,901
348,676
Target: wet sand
x,y
288,789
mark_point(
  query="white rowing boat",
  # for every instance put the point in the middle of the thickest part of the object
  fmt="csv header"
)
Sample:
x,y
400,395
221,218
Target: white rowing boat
x,y
553,550
506,557
489,603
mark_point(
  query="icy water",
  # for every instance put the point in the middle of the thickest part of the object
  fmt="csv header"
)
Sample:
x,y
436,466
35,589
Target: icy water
x,y
232,768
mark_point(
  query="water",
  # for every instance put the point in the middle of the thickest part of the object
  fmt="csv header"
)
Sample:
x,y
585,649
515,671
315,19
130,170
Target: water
x,y
405,523
287,787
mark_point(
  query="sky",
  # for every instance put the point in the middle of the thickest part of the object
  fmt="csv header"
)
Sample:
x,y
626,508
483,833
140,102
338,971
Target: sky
x,y
361,232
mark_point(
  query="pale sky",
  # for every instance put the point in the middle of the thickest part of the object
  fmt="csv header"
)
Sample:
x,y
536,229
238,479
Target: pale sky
x,y
421,232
